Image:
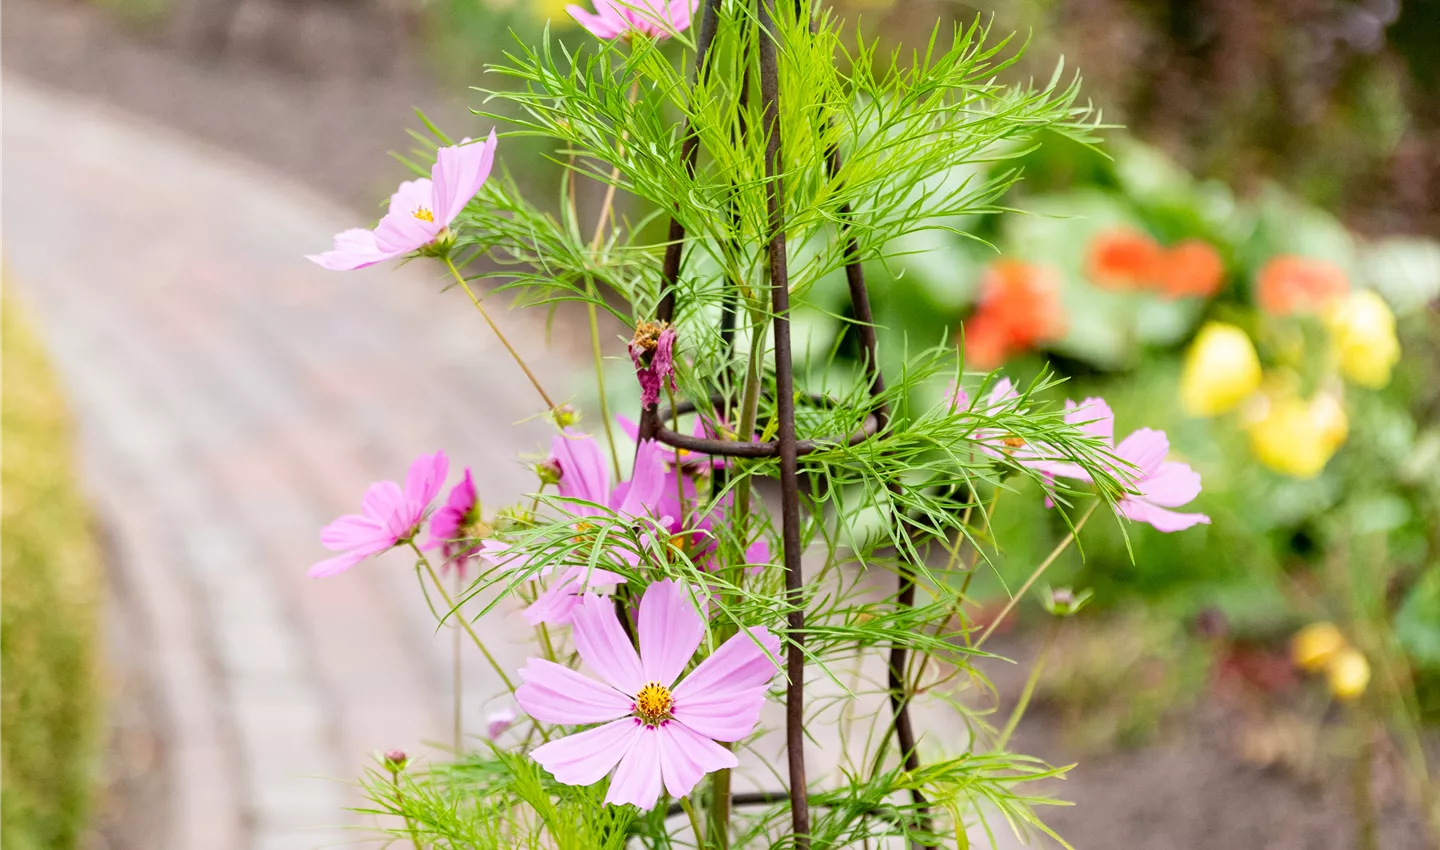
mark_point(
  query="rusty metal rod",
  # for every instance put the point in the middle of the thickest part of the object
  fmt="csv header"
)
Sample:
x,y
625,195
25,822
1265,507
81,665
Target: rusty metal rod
x,y
766,39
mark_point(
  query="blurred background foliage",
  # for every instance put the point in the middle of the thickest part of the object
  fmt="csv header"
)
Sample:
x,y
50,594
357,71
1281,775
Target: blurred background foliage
x,y
49,608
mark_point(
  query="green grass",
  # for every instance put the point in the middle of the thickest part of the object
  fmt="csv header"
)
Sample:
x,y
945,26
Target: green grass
x,y
50,591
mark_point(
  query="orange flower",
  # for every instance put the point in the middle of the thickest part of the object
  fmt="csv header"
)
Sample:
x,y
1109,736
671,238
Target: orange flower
x,y
1290,284
1019,309
1123,259
1190,268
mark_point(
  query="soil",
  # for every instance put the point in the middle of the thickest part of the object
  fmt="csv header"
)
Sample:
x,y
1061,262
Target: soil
x,y
325,116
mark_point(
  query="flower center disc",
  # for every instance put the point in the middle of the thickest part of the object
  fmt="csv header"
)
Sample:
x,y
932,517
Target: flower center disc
x,y
654,703
424,214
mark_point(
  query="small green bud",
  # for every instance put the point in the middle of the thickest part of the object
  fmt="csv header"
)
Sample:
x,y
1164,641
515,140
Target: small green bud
x,y
565,415
1064,601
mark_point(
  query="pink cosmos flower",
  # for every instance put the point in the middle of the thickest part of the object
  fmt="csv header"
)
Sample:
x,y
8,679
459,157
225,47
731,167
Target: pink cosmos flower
x,y
655,734
652,350
420,210
684,459
585,475
388,516
1161,484
623,18
451,523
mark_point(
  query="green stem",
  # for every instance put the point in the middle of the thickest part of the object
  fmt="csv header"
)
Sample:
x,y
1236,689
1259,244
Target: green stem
x,y
484,314
694,821
599,357
1029,691
458,673
464,623
400,803
1039,571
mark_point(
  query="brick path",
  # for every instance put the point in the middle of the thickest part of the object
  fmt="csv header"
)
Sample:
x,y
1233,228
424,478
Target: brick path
x,y
232,398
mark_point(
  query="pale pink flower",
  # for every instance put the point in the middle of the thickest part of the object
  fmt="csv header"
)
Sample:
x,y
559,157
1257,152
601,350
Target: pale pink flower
x,y
420,210
585,476
656,734
623,18
452,521
388,516
1160,484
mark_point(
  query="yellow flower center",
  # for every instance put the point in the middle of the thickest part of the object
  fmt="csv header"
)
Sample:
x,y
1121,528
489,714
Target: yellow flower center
x,y
423,214
1013,442
654,703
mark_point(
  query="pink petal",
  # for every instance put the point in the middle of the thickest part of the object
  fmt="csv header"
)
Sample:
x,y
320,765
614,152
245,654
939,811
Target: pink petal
x,y
351,531
496,722
1146,449
354,249
382,500
727,715
583,472
647,482
401,233
557,604
604,25
1158,517
459,172
722,697
585,758
498,554
553,693
425,478
670,631
1173,485
637,780
337,564
741,663
629,426
410,196
685,758
679,14
603,645
1094,418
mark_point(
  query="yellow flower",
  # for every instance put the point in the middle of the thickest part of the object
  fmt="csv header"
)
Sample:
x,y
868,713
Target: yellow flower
x,y
1221,369
1348,674
1315,646
1297,437
1363,329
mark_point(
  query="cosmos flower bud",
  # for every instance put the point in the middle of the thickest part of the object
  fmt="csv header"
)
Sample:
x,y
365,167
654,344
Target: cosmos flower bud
x,y
1363,329
396,760
1221,370
496,722
565,415
548,471
1348,674
1315,646
1296,437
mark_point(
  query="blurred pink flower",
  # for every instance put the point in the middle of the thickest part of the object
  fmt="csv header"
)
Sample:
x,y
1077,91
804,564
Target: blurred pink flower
x,y
1161,484
622,18
653,736
496,722
388,516
420,210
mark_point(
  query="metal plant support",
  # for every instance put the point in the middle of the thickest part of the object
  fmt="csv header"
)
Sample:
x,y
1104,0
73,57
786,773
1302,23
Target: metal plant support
x,y
786,447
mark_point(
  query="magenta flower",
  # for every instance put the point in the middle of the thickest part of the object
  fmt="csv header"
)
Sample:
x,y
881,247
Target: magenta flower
x,y
1161,484
656,734
683,459
652,350
420,210
388,516
452,522
557,604
623,18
